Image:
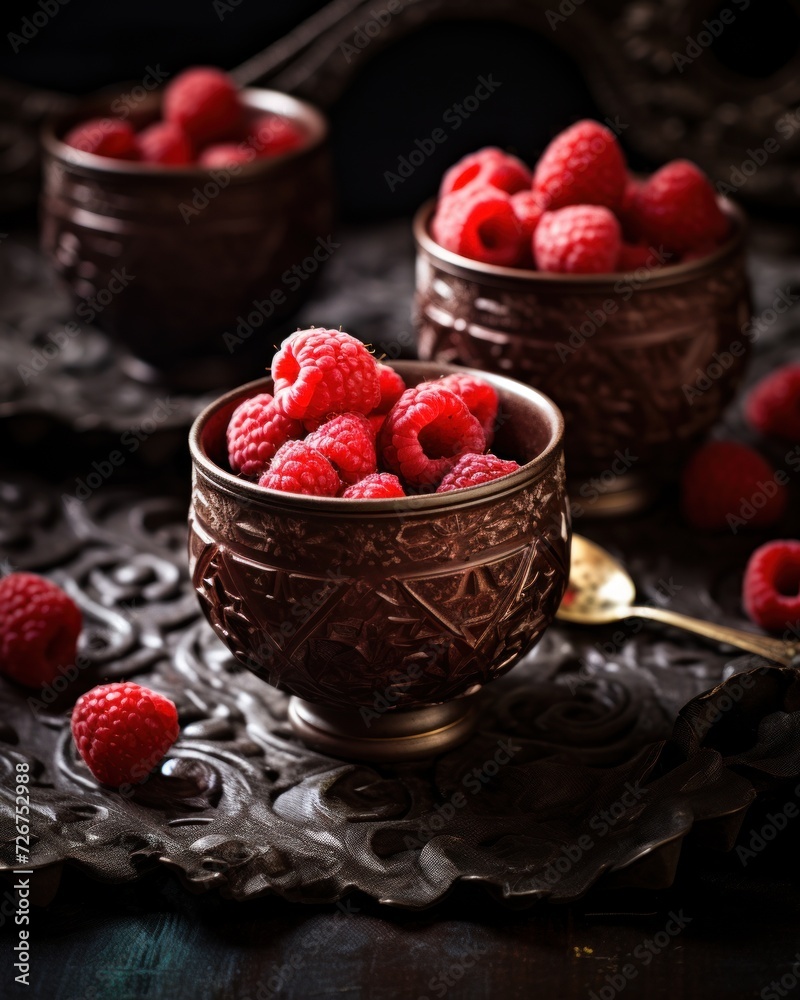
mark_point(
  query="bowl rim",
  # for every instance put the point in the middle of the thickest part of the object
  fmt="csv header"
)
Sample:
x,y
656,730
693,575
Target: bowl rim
x,y
446,502
465,267
262,98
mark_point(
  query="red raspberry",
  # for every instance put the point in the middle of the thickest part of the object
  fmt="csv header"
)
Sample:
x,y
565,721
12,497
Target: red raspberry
x,y
271,135
580,239
425,433
297,468
479,223
633,256
225,155
122,731
204,101
773,407
256,430
721,483
678,206
583,165
528,210
771,586
104,137
480,397
39,629
472,470
320,372
348,443
489,166
377,420
166,143
392,388
381,486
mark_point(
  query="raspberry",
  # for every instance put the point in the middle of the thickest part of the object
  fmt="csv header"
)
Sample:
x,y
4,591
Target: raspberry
x,y
225,154
579,239
472,470
380,486
39,629
122,731
104,137
773,407
348,443
319,372
377,420
166,143
633,255
480,397
677,206
771,586
256,430
426,432
271,135
479,223
528,210
298,468
204,101
720,484
489,166
392,388
582,166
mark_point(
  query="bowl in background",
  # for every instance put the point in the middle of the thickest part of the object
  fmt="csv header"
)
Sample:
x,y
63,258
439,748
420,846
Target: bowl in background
x,y
169,259
383,617
640,364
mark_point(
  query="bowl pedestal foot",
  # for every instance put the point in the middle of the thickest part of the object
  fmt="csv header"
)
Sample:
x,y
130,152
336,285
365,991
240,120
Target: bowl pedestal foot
x,y
625,494
390,737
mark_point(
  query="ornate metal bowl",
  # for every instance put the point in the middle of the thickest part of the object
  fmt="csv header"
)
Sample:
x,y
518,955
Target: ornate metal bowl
x,y
170,259
382,617
641,364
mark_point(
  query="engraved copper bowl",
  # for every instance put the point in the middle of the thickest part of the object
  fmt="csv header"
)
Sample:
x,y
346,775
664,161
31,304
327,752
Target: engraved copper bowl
x,y
170,259
384,617
641,365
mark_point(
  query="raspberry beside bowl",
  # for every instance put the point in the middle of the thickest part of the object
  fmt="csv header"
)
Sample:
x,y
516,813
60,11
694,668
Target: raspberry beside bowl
x,y
167,259
384,617
615,352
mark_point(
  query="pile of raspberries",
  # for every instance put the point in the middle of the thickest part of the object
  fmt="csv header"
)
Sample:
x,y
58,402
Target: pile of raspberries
x,y
204,123
341,424
579,211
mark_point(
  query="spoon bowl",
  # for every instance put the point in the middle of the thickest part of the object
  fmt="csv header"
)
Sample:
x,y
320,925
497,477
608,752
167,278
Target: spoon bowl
x,y
600,591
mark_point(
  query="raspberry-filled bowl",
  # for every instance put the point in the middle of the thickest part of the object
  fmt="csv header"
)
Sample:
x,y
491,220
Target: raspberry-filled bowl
x,y
382,614
178,226
633,319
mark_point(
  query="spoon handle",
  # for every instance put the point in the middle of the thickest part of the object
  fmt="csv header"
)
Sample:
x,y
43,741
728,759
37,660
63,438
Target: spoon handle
x,y
772,649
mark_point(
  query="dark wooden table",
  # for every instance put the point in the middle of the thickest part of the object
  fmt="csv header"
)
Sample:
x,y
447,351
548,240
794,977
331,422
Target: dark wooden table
x,y
728,928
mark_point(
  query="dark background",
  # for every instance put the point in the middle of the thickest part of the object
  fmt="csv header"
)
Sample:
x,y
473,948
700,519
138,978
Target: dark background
x,y
398,94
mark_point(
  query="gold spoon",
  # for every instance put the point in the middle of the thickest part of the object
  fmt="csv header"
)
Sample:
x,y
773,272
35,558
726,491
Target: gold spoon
x,y
600,592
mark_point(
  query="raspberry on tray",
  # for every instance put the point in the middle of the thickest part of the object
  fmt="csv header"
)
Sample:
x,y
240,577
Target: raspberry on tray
x,y
122,731
771,587
39,629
